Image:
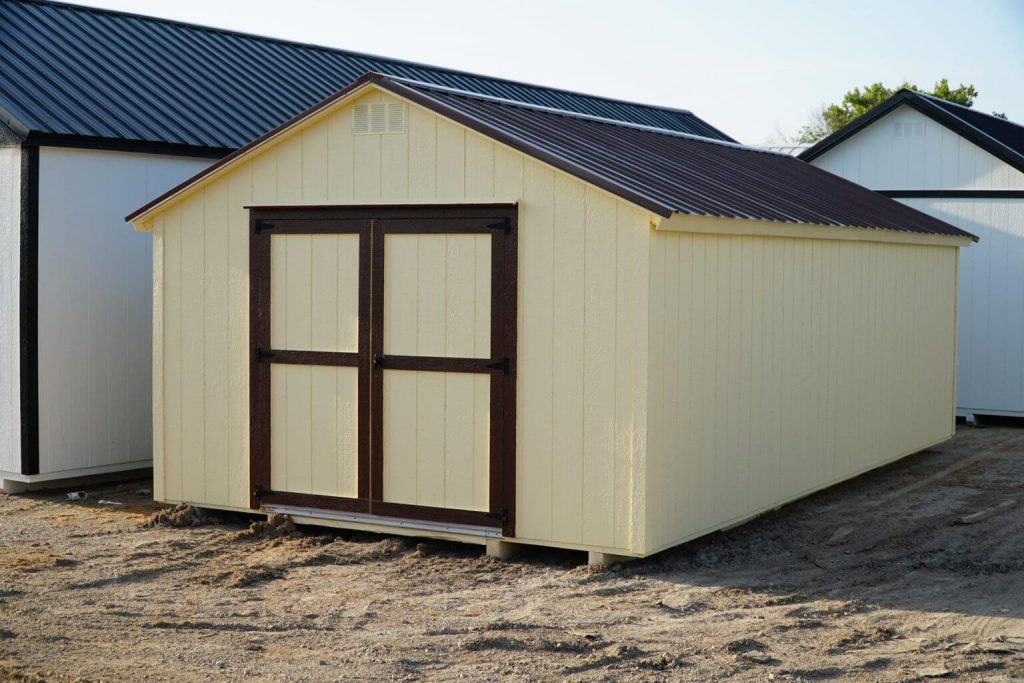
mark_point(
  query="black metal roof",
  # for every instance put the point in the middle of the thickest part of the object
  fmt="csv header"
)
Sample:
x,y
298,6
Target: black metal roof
x,y
1001,138
664,171
74,71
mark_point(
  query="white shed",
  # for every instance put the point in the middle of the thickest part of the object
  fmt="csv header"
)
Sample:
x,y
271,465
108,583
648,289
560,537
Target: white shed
x,y
966,168
74,327
420,310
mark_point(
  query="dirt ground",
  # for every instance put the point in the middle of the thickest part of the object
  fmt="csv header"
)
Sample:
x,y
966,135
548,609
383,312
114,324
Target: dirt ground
x,y
870,580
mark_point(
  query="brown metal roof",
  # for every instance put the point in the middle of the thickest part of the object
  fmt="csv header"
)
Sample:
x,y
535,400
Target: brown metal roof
x,y
664,171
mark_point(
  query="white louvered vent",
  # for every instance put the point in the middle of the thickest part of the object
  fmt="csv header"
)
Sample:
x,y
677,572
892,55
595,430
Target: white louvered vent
x,y
378,117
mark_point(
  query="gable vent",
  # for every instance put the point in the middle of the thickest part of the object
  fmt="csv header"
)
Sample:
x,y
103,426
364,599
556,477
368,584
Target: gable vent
x,y
378,117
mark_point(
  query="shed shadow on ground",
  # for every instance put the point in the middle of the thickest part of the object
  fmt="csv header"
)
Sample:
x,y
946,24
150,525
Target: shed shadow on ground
x,y
887,539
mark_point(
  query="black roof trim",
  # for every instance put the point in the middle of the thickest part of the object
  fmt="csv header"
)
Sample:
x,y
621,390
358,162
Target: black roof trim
x,y
118,145
930,107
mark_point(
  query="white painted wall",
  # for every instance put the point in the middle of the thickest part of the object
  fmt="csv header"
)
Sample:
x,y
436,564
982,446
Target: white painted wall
x,y
95,313
990,353
10,234
990,350
906,150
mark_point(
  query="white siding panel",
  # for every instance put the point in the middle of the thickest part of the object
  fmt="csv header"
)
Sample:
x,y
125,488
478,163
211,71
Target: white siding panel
x,y
95,284
10,365
906,150
990,349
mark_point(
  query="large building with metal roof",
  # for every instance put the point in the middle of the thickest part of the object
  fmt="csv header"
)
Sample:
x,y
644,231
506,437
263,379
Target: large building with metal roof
x,y
78,72
100,111
415,309
966,168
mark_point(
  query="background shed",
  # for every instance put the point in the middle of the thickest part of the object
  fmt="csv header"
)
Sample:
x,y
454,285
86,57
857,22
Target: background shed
x,y
964,167
693,341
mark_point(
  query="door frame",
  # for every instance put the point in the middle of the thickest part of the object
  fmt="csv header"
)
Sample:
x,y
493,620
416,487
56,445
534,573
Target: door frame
x,y
372,223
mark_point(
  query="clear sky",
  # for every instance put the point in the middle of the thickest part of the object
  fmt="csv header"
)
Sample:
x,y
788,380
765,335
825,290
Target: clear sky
x,y
753,69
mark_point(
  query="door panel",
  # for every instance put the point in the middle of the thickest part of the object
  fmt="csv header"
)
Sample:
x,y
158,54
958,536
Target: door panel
x,y
437,295
314,430
436,439
314,292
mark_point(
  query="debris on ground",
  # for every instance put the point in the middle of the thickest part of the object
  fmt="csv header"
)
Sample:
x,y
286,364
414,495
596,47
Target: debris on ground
x,y
180,516
985,514
274,527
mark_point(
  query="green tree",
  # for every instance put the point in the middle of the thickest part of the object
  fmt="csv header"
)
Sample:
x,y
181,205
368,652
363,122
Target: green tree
x,y
831,117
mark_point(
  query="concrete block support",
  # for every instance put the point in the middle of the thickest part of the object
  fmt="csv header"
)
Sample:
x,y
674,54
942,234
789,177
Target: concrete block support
x,y
596,559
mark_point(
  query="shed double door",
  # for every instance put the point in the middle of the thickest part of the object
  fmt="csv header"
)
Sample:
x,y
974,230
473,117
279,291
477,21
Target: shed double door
x,y
383,356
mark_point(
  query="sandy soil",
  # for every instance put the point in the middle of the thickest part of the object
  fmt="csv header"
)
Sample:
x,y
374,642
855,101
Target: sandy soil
x,y
870,580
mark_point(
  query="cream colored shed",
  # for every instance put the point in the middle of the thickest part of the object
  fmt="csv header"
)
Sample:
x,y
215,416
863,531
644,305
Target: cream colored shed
x,y
424,311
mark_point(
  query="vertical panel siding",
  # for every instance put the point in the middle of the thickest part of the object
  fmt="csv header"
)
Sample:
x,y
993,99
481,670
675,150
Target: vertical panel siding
x,y
313,419
437,295
582,313
436,445
990,367
314,292
10,366
990,351
779,366
95,284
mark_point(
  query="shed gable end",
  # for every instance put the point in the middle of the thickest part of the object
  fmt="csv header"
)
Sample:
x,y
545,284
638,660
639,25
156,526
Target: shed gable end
x,y
582,300
906,150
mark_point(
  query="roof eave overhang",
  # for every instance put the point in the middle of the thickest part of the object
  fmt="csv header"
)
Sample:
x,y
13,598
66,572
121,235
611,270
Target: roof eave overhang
x,y
13,124
719,225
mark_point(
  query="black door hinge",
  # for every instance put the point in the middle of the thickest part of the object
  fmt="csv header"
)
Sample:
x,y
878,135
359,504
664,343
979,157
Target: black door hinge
x,y
505,225
501,516
261,354
257,227
259,491
378,360
505,365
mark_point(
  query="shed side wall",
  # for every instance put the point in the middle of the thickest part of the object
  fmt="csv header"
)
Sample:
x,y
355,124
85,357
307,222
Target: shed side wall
x,y
781,365
990,347
94,306
10,372
990,367
582,344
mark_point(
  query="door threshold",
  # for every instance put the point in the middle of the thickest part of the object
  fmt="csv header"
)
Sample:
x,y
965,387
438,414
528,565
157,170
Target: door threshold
x,y
379,520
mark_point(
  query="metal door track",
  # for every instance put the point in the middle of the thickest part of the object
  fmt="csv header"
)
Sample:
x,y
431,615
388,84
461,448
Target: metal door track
x,y
364,518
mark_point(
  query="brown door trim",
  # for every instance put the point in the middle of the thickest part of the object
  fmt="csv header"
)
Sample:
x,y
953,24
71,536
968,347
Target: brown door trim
x,y
372,223
501,222
262,226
